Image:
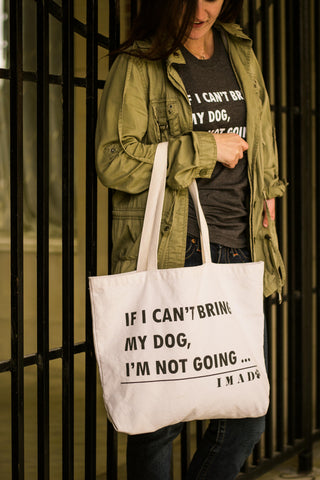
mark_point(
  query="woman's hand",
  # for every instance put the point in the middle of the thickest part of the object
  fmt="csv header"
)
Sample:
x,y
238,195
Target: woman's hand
x,y
230,148
272,210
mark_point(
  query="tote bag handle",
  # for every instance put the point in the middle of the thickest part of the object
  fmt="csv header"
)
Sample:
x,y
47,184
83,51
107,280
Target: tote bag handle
x,y
148,250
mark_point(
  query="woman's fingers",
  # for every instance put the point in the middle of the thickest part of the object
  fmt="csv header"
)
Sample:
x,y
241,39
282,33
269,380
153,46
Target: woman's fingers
x,y
230,148
272,210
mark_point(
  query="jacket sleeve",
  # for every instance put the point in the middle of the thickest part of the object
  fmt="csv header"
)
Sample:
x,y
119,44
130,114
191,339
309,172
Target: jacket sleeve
x,y
124,151
273,186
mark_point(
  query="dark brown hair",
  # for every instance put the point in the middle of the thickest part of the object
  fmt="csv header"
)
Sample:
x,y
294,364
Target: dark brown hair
x,y
230,11
166,24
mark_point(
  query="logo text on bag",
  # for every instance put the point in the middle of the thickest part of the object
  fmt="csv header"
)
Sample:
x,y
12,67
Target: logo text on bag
x,y
151,334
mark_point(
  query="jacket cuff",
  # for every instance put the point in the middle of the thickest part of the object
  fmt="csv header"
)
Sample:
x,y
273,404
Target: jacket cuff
x,y
276,189
206,147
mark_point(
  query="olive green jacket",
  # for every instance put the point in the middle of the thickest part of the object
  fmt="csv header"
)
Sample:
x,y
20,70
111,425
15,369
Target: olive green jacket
x,y
144,102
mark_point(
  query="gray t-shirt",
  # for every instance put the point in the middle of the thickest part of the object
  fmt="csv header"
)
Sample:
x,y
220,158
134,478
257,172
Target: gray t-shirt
x,y
219,107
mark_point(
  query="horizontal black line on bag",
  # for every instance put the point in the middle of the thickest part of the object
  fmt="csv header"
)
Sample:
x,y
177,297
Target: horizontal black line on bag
x,y
188,378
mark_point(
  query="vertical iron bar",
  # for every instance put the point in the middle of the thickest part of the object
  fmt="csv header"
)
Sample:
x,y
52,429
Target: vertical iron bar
x,y
304,11
265,27
269,446
200,429
266,60
91,234
294,212
16,198
317,136
134,10
185,449
68,239
252,20
43,237
112,437
278,72
114,26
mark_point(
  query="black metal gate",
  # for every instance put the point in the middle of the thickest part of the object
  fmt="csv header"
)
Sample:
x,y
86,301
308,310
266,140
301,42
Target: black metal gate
x,y
287,42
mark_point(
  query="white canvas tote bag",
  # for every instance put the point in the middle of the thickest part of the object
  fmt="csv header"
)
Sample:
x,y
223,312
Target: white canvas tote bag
x,y
183,343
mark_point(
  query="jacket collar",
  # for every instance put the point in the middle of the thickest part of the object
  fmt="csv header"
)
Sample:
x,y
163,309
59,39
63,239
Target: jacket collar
x,y
234,30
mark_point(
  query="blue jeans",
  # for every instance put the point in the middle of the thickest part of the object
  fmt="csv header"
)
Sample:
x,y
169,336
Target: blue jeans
x,y
226,443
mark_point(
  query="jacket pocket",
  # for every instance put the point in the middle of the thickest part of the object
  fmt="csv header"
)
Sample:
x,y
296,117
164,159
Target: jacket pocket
x,y
126,234
166,118
127,220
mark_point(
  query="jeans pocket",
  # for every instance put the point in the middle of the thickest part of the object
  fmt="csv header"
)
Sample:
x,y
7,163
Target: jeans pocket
x,y
240,255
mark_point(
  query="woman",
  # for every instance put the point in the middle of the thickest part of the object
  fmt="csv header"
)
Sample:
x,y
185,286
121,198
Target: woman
x,y
189,76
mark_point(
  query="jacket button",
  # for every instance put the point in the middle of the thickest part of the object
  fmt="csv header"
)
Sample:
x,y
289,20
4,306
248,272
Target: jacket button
x,y
203,172
166,228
